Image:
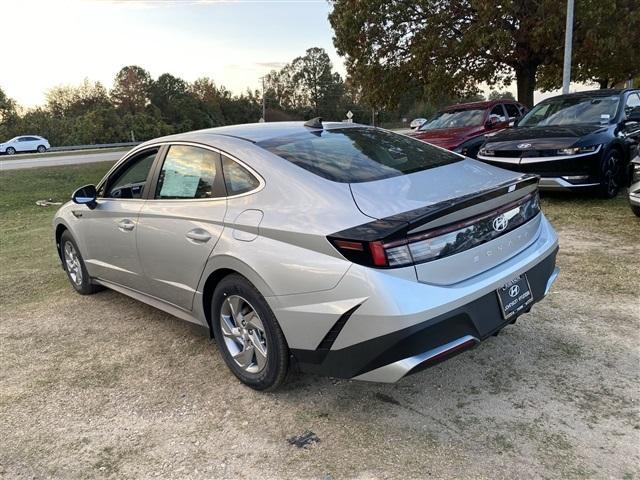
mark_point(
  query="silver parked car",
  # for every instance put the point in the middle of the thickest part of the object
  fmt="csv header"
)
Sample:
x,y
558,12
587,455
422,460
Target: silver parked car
x,y
342,249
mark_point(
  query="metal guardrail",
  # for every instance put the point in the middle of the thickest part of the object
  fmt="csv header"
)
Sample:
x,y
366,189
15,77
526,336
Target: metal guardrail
x,y
71,148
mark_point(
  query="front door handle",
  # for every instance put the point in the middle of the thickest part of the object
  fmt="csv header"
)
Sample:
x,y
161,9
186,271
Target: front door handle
x,y
198,235
126,225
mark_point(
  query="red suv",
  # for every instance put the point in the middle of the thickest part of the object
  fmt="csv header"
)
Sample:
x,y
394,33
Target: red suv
x,y
462,127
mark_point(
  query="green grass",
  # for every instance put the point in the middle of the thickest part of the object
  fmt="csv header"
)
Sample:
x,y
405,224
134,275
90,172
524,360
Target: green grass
x,y
599,249
29,267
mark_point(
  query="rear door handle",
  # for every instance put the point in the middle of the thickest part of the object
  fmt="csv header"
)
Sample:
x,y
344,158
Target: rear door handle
x,y
126,225
198,235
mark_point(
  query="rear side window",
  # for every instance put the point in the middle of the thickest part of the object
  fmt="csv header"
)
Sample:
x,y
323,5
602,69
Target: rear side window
x,y
187,173
237,179
354,155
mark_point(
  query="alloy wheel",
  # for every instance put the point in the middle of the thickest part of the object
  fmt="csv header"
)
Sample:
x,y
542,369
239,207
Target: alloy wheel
x,y
244,334
72,261
10,151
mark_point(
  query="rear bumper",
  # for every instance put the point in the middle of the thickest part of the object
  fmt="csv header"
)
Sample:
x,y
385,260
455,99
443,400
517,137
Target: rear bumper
x,y
390,357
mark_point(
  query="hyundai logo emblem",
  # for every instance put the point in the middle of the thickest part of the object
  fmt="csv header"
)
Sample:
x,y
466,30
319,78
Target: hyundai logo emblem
x,y
514,290
524,145
500,223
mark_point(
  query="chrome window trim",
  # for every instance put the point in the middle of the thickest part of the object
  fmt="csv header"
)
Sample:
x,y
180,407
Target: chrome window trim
x,y
140,148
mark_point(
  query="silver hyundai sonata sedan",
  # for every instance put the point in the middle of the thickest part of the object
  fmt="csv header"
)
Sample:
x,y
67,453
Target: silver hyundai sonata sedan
x,y
332,248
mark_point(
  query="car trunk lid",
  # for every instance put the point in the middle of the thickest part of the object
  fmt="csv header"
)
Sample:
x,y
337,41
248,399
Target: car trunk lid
x,y
451,223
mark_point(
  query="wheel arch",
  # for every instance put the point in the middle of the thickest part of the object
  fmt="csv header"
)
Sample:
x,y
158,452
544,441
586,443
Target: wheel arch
x,y
60,229
220,267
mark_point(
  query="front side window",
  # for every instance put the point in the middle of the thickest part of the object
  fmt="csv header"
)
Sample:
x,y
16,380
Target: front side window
x,y
572,110
237,179
633,102
498,113
512,110
130,180
466,117
188,173
352,155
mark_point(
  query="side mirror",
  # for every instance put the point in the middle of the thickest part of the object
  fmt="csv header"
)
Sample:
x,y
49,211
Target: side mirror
x,y
85,196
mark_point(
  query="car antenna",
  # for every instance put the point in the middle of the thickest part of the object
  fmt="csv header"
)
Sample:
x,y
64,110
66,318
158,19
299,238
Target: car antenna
x,y
314,123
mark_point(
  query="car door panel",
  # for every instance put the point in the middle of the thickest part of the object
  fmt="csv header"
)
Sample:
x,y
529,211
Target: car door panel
x,y
178,230
175,239
110,228
21,145
109,231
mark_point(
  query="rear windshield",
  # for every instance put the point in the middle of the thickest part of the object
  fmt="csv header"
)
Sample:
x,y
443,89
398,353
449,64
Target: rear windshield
x,y
354,155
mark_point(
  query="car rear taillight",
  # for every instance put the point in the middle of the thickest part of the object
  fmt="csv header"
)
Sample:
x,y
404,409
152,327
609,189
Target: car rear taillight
x,y
428,245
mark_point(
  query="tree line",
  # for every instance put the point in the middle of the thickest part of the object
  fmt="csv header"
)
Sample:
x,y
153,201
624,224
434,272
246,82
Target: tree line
x,y
139,107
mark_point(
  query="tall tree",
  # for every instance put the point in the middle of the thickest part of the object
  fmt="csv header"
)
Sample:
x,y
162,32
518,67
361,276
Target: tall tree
x,y
131,89
451,45
606,45
306,87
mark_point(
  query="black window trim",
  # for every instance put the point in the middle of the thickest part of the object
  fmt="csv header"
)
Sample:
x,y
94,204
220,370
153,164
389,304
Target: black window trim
x,y
117,168
159,162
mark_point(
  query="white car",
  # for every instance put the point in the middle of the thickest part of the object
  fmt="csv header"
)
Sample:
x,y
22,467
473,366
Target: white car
x,y
25,143
417,123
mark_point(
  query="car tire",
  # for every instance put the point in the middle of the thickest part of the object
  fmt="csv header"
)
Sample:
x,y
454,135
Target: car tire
x,y
248,335
611,174
10,151
636,210
73,264
42,149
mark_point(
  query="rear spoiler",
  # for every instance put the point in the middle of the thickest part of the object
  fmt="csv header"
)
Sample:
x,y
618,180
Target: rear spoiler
x,y
397,226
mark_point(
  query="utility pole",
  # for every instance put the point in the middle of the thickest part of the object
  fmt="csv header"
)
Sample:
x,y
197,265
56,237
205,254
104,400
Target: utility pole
x,y
264,105
568,40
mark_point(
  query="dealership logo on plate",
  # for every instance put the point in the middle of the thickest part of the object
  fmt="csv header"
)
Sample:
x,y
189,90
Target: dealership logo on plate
x,y
524,145
514,290
500,223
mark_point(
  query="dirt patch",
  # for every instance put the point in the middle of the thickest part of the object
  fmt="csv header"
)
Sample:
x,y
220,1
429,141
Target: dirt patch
x,y
106,387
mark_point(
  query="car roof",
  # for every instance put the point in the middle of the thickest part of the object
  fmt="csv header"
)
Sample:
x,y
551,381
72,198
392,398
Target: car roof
x,y
602,92
481,104
257,132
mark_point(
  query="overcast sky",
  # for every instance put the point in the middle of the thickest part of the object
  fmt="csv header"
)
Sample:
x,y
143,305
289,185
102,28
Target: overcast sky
x,y
57,42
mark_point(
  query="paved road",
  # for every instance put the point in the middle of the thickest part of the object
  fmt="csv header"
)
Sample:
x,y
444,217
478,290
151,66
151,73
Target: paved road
x,y
33,161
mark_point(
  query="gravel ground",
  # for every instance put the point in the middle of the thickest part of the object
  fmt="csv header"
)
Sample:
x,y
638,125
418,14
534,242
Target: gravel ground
x,y
106,387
